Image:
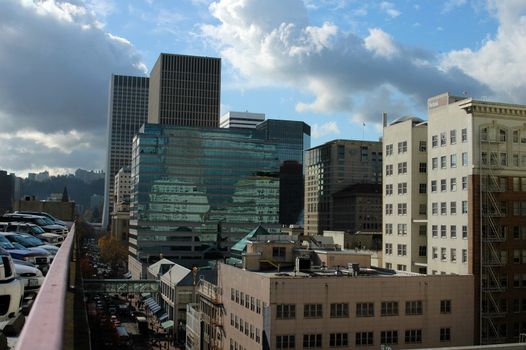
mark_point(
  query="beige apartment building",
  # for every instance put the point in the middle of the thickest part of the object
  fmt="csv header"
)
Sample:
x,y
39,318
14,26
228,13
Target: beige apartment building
x,y
345,306
405,195
476,206
330,168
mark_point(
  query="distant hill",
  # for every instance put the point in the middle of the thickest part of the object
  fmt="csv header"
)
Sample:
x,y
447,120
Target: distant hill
x,y
78,190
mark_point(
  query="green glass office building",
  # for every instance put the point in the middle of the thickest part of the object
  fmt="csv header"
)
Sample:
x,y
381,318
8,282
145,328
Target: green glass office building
x,y
187,181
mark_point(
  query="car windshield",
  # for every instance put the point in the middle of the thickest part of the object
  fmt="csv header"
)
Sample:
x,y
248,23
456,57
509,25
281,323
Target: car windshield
x,y
37,230
18,246
26,240
6,244
41,222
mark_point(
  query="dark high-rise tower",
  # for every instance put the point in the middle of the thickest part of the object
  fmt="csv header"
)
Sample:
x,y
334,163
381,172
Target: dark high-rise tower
x,y
127,111
185,91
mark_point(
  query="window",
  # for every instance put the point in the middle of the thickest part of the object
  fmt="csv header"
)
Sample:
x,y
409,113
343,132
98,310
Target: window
x,y
388,189
464,183
453,184
422,209
434,163
453,208
389,337
504,159
413,307
443,139
434,230
443,162
435,252
402,147
464,158
339,310
422,168
422,188
252,304
389,308
443,208
452,137
443,254
515,159
278,252
443,185
422,250
402,168
402,188
258,306
434,208
402,229
388,209
285,342
434,141
515,136
464,256
312,311
388,229
433,185
453,231
445,306
311,341
338,340
443,231
389,169
389,150
388,248
422,230
453,255
232,294
285,311
464,207
402,249
364,309
464,135
364,338
502,135
413,336
422,146
453,160
401,267
402,208
445,334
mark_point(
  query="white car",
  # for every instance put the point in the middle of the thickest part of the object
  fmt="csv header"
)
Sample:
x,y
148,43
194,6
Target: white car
x,y
30,276
11,289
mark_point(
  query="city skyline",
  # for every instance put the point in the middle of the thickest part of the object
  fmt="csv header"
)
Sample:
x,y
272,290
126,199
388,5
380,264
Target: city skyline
x,y
334,65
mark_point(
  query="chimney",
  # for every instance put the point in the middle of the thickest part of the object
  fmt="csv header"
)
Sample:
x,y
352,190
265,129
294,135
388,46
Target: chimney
x,y
384,116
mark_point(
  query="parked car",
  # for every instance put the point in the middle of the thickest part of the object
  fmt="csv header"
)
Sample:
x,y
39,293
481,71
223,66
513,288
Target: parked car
x,y
34,230
42,213
41,221
29,241
11,288
31,276
39,258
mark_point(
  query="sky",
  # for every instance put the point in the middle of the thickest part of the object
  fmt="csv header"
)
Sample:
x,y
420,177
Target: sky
x,y
335,64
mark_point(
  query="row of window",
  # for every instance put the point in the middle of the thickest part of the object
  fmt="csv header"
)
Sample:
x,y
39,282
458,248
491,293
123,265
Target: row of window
x,y
452,138
452,161
452,184
244,327
452,254
388,337
402,147
402,229
452,208
452,231
246,300
364,309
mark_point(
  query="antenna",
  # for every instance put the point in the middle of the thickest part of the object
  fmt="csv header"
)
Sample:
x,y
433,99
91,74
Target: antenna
x,y
363,131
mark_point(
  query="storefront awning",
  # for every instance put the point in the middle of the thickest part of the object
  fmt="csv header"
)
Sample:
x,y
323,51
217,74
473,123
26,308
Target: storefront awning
x,y
168,324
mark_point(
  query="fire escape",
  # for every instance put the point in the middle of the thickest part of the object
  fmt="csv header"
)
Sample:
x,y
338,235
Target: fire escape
x,y
492,279
214,315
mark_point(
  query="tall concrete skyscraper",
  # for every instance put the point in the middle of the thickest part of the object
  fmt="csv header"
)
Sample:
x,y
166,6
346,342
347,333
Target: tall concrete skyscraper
x,y
185,91
127,111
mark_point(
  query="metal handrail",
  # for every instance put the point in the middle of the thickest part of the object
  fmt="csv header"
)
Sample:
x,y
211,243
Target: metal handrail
x,y
44,328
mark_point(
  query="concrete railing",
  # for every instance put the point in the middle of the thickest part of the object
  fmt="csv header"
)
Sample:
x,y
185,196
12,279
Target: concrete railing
x,y
44,328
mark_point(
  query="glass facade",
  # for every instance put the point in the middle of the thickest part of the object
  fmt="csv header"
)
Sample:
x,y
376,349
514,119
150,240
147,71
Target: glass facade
x,y
185,181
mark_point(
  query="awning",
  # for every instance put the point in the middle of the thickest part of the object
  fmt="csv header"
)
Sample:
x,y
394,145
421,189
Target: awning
x,y
163,317
145,295
168,324
152,305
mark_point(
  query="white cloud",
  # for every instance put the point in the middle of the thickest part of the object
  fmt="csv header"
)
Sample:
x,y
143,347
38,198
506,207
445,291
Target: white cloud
x,y
451,5
380,43
499,63
389,9
329,128
56,62
272,43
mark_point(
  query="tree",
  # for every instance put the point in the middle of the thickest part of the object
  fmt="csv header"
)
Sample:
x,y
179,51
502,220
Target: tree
x,y
112,251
